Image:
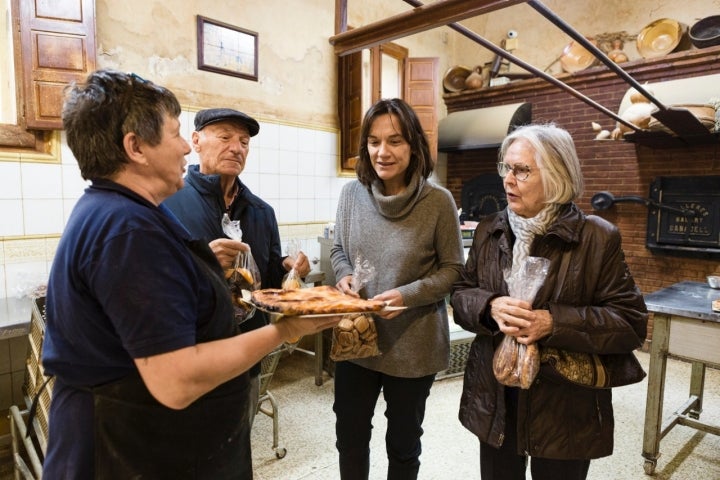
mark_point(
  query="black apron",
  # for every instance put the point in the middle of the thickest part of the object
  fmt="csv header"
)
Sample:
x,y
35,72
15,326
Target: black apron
x,y
136,437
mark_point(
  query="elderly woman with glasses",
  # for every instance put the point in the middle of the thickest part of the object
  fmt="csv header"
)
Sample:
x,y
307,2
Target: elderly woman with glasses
x,y
588,302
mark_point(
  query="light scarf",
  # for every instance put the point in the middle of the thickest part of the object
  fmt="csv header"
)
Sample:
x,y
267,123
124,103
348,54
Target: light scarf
x,y
525,230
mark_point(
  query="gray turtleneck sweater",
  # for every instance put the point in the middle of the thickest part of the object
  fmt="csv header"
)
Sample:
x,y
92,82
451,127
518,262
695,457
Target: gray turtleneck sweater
x,y
413,242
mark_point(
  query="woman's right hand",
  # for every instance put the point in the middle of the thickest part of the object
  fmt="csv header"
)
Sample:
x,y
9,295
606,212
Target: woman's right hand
x,y
510,314
345,286
292,328
516,318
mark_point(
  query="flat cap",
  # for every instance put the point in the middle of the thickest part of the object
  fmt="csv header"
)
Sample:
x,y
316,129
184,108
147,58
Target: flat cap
x,y
214,115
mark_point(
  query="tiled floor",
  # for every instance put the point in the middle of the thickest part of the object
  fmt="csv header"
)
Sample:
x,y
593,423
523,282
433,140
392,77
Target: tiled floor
x,y
449,451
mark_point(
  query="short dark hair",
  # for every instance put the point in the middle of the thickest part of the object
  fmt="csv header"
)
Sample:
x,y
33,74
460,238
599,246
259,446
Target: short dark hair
x,y
100,111
411,130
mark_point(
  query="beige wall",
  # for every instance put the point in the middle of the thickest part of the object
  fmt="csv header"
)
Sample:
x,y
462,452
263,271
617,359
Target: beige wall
x,y
296,72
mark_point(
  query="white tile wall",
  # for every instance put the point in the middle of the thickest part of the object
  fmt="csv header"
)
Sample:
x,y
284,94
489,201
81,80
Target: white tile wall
x,y
293,168
12,217
10,185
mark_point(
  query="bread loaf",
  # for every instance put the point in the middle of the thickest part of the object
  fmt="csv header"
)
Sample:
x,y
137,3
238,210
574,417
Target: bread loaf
x,y
529,365
505,360
355,336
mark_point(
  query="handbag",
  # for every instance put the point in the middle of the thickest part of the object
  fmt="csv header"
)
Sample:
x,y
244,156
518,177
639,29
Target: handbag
x,y
588,369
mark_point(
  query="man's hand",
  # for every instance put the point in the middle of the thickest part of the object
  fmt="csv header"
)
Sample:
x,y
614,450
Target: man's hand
x,y
299,263
227,250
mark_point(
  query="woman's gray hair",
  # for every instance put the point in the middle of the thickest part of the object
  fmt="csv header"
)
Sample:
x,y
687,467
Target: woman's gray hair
x,y
554,151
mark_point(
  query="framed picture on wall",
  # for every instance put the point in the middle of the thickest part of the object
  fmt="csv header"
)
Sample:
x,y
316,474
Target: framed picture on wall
x,y
227,49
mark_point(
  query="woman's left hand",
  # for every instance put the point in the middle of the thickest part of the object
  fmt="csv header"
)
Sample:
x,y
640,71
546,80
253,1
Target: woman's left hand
x,y
515,317
392,298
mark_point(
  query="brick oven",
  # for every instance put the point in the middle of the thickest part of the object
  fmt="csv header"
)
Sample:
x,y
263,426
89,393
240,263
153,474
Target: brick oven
x,y
621,167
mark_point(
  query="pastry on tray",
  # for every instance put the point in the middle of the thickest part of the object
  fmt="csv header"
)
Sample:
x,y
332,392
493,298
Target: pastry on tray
x,y
322,300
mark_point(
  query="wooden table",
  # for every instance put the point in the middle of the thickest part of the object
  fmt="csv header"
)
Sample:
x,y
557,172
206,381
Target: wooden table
x,y
685,327
316,279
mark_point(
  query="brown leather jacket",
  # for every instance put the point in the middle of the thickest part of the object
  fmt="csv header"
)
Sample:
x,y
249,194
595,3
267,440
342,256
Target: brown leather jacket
x,y
597,308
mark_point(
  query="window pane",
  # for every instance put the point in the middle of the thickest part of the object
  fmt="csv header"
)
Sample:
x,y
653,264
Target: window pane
x,y
390,77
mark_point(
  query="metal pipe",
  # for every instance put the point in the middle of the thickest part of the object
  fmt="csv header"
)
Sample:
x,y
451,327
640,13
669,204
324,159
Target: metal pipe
x,y
589,46
513,59
605,200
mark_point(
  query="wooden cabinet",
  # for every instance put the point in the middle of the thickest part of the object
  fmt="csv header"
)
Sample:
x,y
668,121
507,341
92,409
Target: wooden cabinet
x,y
57,47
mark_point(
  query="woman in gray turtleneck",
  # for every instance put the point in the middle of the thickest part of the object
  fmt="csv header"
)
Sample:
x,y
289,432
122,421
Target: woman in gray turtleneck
x,y
407,229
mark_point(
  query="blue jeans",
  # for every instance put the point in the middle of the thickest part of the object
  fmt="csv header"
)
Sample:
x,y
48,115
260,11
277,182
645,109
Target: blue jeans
x,y
357,390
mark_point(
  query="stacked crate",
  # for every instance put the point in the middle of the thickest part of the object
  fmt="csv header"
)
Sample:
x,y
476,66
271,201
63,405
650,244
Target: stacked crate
x,y
35,379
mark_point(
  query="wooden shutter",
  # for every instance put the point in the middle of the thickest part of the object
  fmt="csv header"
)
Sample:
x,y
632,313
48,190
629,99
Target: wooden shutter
x,y
350,107
57,47
421,87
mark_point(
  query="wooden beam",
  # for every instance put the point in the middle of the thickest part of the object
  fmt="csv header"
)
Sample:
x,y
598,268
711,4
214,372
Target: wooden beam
x,y
340,16
420,19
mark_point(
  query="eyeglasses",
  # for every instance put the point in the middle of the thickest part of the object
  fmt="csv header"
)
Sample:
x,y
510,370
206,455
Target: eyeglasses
x,y
520,171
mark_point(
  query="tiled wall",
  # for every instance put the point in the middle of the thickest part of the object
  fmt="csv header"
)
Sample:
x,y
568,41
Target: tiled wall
x,y
294,168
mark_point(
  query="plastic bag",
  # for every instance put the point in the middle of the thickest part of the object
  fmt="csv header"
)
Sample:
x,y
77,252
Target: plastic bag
x,y
516,364
292,280
244,274
355,336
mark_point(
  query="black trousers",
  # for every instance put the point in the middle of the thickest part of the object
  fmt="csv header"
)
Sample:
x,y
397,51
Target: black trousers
x,y
505,464
357,390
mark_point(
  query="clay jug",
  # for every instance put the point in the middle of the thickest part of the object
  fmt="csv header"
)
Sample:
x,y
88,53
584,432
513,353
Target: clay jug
x,y
475,79
616,54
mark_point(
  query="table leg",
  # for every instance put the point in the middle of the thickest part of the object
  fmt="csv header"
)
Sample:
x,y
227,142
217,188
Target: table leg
x,y
655,390
697,387
319,358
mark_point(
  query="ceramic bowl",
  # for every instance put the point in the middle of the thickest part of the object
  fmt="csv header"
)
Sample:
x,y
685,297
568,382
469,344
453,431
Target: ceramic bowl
x,y
713,281
575,57
659,38
706,32
454,79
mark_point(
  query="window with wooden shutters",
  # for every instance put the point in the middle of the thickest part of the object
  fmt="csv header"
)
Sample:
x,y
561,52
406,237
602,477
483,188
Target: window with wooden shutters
x,y
54,45
58,46
365,77
421,86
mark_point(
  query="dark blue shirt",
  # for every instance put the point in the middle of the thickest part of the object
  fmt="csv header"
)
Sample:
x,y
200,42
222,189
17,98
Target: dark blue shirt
x,y
122,286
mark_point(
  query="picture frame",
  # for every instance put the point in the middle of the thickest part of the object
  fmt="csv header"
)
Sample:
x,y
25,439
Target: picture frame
x,y
227,49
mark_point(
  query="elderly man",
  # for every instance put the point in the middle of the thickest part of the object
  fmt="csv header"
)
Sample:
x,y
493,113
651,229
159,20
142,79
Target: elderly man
x,y
212,188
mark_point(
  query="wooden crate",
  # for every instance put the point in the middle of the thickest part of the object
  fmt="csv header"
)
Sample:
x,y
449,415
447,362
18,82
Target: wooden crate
x,y
35,376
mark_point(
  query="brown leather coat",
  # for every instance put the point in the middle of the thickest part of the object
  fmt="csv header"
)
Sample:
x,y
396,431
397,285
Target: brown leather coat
x,y
597,308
